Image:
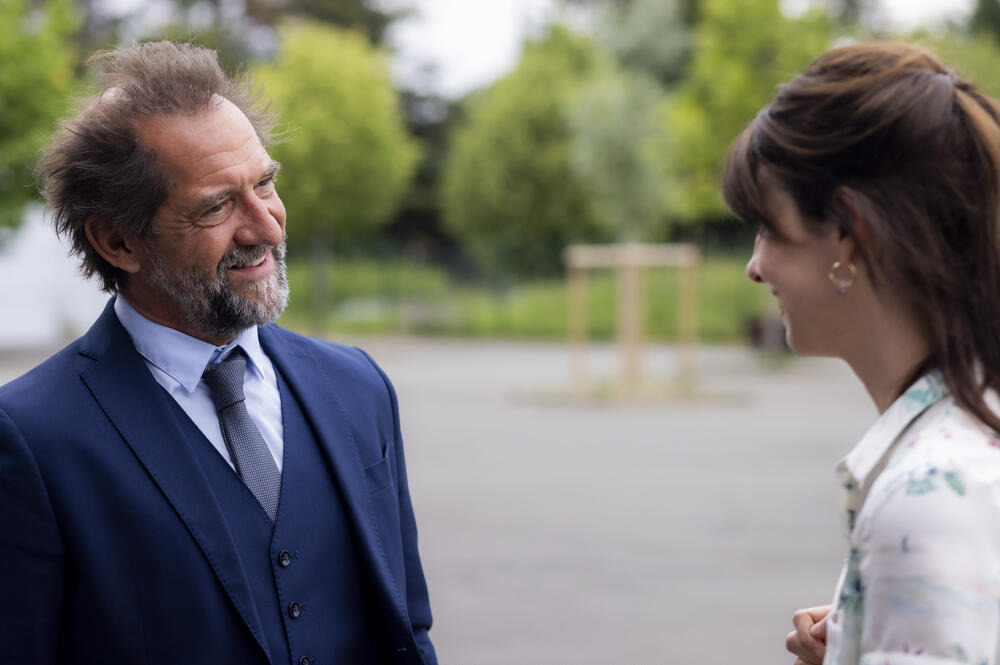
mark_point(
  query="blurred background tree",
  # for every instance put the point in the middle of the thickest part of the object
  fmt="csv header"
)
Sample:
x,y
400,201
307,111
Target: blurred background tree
x,y
986,18
973,55
511,194
346,157
651,36
37,65
618,151
614,124
619,145
366,17
742,50
851,13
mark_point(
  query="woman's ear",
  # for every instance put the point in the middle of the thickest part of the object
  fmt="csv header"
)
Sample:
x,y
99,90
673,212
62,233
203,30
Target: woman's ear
x,y
852,212
117,248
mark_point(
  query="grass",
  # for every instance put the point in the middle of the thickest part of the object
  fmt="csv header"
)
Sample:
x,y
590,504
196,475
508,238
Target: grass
x,y
377,297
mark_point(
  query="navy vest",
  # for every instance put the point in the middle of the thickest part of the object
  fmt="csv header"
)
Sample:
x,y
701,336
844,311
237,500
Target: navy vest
x,y
310,589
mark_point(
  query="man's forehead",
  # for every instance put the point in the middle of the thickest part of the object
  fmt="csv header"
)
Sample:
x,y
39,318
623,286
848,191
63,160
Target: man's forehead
x,y
203,142
219,112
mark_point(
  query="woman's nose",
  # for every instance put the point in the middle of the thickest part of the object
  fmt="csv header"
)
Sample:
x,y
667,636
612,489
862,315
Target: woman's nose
x,y
752,272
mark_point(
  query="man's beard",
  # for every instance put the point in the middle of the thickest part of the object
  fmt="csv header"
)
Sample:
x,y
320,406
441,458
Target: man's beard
x,y
211,306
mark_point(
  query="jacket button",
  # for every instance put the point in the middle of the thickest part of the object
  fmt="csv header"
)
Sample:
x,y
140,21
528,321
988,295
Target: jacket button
x,y
305,660
284,558
294,610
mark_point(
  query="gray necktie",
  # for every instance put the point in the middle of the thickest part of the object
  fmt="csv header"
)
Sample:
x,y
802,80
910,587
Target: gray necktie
x,y
247,448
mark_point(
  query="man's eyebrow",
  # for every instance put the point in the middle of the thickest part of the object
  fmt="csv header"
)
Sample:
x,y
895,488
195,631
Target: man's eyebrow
x,y
213,200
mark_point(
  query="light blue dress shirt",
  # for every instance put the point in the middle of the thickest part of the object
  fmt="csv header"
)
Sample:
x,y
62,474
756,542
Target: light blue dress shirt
x,y
177,361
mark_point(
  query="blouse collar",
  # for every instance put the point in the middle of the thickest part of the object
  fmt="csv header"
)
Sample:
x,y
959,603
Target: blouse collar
x,y
854,469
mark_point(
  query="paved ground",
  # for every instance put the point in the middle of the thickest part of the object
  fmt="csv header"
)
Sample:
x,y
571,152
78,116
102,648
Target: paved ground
x,y
681,532
678,532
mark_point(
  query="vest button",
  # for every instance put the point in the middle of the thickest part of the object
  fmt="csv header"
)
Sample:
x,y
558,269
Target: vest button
x,y
294,610
285,559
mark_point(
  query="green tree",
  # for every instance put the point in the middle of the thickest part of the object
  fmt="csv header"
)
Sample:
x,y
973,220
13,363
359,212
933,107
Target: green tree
x,y
973,56
986,18
618,150
346,158
511,194
743,50
242,31
36,75
652,36
364,15
851,13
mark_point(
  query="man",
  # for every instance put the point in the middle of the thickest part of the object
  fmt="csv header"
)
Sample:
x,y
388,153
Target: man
x,y
188,483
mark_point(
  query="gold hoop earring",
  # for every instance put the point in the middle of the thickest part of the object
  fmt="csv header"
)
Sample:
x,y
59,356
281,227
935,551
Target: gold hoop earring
x,y
843,284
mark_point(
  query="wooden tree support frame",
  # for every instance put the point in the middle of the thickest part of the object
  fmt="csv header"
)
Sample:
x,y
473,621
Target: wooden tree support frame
x,y
629,260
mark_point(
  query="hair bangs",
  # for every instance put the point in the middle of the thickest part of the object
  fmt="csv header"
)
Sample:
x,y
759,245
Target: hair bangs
x,y
741,186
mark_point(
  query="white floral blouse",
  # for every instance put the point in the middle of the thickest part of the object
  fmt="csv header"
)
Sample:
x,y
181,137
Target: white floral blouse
x,y
921,584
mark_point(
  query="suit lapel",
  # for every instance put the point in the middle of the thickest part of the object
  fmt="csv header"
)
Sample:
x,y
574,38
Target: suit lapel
x,y
317,395
142,413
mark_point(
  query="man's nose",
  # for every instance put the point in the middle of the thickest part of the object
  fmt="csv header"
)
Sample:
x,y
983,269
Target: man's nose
x,y
261,224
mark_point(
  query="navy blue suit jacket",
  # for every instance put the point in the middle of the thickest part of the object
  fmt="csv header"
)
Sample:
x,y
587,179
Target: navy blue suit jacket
x,y
113,548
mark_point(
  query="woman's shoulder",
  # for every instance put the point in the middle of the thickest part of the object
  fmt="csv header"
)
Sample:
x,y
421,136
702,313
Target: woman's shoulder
x,y
947,436
943,474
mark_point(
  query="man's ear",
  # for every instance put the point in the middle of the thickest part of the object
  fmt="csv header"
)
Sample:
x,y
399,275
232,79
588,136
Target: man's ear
x,y
117,248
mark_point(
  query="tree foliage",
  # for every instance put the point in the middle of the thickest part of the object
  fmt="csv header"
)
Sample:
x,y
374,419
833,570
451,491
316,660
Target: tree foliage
x,y
245,30
510,191
743,49
346,158
651,36
37,67
973,56
986,18
851,13
618,150
363,15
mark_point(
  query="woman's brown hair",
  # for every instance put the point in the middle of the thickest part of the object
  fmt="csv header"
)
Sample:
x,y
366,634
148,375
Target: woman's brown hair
x,y
886,129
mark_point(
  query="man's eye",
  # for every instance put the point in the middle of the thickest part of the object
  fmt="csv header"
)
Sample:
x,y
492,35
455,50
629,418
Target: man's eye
x,y
216,209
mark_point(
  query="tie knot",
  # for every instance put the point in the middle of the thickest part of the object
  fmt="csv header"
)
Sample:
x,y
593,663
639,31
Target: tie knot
x,y
225,379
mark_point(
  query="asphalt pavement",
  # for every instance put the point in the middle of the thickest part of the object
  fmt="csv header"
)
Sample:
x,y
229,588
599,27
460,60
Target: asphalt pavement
x,y
653,530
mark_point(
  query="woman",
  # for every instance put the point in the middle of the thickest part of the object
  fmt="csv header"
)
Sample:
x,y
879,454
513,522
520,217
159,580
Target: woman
x,y
874,180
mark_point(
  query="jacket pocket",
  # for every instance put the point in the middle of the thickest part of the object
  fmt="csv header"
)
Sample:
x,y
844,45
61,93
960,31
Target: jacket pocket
x,y
378,476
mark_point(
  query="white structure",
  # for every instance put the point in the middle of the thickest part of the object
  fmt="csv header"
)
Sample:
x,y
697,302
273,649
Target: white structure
x,y
44,301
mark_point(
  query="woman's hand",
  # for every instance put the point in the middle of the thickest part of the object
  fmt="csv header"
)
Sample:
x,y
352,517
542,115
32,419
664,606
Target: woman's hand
x,y
808,640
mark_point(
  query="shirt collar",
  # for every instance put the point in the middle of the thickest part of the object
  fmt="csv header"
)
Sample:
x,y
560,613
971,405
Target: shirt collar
x,y
869,450
854,470
180,355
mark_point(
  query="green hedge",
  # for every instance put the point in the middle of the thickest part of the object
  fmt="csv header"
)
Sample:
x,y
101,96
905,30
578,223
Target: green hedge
x,y
380,297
